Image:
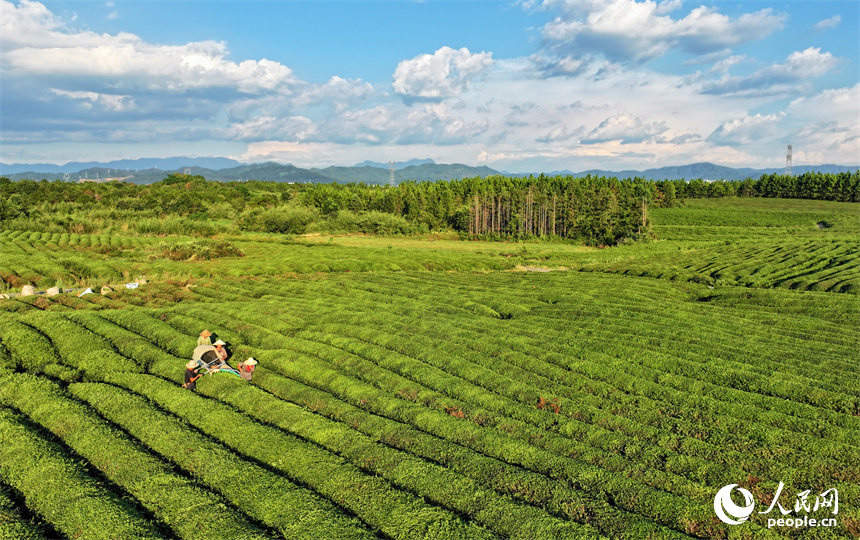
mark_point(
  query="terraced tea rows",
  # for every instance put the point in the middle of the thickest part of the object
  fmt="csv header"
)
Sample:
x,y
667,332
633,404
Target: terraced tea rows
x,y
418,388
447,405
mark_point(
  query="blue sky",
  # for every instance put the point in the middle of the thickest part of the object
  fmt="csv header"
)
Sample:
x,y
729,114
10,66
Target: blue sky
x,y
530,85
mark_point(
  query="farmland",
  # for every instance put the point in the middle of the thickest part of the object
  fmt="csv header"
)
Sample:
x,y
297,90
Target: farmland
x,y
426,386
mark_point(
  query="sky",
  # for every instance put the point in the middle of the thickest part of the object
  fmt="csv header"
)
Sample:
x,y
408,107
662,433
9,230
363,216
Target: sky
x,y
518,86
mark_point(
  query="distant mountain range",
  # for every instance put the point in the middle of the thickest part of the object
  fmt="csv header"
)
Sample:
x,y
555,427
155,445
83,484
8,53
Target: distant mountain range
x,y
165,164
706,171
147,171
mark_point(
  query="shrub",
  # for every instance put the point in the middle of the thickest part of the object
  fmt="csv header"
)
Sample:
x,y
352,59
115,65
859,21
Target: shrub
x,y
288,219
381,223
195,250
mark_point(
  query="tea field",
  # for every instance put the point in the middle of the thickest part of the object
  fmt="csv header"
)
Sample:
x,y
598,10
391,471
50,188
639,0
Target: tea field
x,y
426,387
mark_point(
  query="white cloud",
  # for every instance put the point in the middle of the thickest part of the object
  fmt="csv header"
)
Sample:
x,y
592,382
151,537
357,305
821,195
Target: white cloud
x,y
724,65
111,102
631,31
430,123
36,45
451,105
435,122
560,133
443,74
827,24
28,23
314,101
626,129
374,125
837,103
746,130
560,66
263,128
830,131
799,67
337,93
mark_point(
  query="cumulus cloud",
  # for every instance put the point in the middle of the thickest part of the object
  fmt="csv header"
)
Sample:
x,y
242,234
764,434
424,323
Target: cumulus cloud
x,y
450,105
337,93
435,122
626,129
82,81
37,45
443,74
139,65
746,130
397,123
263,128
374,125
28,24
798,67
560,134
830,129
566,66
836,103
629,31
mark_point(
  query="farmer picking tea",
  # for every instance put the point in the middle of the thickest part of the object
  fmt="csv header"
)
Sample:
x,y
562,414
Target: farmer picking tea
x,y
246,368
220,350
191,375
204,338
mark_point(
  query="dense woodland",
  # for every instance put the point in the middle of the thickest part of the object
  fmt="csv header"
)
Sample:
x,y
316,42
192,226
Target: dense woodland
x,y
593,210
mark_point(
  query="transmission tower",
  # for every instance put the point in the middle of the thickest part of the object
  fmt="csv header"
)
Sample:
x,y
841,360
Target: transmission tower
x,y
391,173
788,161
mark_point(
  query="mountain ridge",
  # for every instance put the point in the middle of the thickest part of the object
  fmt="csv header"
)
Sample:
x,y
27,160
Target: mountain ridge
x,y
368,172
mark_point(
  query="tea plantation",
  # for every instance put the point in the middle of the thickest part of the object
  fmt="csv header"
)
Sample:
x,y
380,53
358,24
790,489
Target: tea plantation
x,y
426,387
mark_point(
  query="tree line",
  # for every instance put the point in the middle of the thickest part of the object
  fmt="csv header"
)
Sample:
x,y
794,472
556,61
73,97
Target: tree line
x,y
594,209
844,187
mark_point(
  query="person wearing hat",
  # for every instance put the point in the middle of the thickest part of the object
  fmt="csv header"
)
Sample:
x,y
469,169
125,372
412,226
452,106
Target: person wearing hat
x,y
220,350
204,338
246,368
191,375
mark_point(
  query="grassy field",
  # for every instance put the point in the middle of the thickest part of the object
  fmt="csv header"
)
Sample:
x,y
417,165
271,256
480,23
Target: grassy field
x,y
428,387
748,242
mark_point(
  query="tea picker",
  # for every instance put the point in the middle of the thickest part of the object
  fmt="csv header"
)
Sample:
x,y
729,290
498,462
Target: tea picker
x,y
191,376
206,357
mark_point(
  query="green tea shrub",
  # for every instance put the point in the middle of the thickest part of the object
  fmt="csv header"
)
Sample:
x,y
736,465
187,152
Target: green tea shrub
x,y
195,250
126,463
276,501
57,485
405,514
12,524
